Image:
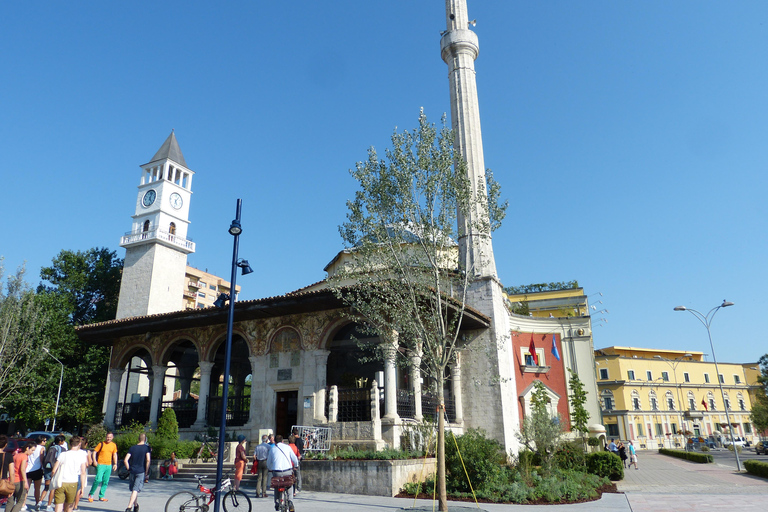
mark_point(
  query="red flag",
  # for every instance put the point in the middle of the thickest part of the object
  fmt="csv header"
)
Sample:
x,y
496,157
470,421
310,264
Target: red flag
x,y
704,403
532,350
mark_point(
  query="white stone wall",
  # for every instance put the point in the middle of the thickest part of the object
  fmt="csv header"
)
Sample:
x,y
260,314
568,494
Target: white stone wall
x,y
152,282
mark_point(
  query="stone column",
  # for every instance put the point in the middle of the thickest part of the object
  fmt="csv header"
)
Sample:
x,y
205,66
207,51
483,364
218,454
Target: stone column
x,y
321,373
253,406
333,406
158,373
113,396
205,389
415,371
456,382
376,416
390,383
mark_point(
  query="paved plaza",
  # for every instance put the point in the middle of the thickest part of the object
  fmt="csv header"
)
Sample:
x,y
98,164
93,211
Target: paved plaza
x,y
661,484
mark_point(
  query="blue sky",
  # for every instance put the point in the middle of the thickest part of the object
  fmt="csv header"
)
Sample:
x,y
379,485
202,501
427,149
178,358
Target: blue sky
x,y
629,137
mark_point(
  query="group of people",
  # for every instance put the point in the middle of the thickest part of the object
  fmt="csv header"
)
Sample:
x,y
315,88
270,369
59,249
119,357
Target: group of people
x,y
273,458
64,468
625,453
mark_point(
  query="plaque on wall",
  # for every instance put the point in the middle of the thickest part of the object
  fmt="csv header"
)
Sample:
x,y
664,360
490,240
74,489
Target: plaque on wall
x,y
284,374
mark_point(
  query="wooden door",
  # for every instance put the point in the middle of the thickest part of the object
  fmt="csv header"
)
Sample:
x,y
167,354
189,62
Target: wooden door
x,y
286,412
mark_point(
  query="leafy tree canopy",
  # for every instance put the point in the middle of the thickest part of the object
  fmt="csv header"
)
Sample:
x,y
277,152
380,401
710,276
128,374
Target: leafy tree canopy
x,y
89,280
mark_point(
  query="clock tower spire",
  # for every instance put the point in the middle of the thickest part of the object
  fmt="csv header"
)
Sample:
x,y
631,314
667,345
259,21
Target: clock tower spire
x,y
156,248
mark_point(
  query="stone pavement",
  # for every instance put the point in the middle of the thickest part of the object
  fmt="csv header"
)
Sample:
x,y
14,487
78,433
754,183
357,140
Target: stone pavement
x,y
665,484
661,484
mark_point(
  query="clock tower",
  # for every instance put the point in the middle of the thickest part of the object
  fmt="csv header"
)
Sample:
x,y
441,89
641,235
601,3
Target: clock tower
x,y
156,248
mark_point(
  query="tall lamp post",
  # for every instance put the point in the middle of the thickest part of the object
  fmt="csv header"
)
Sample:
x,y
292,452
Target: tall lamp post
x,y
673,363
706,320
234,229
58,394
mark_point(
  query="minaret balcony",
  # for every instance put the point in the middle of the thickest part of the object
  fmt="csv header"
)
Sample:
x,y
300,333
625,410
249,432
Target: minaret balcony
x,y
157,235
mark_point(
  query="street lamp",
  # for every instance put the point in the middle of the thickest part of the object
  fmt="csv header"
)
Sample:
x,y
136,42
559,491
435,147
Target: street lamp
x,y
673,363
706,320
58,395
235,229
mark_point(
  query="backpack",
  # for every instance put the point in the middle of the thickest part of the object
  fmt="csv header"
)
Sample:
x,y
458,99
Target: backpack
x,y
51,455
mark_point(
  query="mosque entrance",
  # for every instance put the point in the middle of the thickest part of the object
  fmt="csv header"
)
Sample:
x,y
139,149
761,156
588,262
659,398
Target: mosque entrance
x,y
286,412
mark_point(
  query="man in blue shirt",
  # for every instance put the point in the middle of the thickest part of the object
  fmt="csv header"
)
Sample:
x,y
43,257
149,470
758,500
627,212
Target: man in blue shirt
x,y
613,448
281,462
137,461
260,454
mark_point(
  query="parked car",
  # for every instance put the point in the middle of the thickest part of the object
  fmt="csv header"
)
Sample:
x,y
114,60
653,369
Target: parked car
x,y
761,447
15,444
739,441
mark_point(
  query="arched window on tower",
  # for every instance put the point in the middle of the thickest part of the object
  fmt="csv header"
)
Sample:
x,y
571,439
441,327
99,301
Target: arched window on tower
x,y
144,229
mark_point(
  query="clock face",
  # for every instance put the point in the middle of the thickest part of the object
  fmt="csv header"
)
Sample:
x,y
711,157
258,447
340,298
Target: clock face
x,y
176,200
149,198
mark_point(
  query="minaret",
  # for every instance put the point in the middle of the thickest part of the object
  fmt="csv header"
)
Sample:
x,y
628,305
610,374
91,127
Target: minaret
x,y
156,248
459,49
488,388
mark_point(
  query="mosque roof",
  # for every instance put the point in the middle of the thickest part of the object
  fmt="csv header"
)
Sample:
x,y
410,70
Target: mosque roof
x,y
104,333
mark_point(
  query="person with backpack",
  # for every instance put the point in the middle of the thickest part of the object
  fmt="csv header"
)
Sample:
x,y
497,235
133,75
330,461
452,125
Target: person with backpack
x,y
51,456
105,460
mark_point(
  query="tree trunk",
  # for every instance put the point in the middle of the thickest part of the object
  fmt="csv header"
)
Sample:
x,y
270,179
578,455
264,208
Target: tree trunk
x,y
441,490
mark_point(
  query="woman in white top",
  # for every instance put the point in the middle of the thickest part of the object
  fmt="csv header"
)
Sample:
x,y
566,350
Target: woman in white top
x,y
35,468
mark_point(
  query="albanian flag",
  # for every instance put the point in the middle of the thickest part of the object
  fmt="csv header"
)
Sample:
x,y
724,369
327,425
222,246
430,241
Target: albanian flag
x,y
532,350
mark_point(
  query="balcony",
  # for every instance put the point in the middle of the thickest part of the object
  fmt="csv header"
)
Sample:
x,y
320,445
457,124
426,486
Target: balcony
x,y
157,235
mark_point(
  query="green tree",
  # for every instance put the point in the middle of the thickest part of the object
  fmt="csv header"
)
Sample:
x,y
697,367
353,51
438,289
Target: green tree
x,y
541,432
407,282
579,414
89,280
759,414
23,321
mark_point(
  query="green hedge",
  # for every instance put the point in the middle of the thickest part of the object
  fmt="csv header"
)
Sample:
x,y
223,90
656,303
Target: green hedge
x,y
605,464
701,458
756,467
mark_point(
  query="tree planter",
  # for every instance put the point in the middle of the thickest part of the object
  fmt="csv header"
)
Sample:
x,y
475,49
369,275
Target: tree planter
x,y
368,477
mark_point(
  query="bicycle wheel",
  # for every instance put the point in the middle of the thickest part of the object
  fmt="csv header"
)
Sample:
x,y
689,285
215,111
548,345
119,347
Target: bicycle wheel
x,y
236,501
182,502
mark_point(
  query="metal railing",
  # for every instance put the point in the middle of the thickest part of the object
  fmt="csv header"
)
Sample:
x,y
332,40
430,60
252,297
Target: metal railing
x,y
429,405
406,406
125,414
354,404
238,410
186,411
156,234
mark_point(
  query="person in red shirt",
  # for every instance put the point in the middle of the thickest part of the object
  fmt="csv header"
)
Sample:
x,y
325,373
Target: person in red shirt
x,y
16,500
241,459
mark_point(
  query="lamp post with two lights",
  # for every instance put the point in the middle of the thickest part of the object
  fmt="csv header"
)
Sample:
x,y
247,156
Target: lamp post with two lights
x,y
234,229
706,320
58,394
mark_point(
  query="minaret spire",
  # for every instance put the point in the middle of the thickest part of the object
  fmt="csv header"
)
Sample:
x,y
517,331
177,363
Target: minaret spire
x,y
459,49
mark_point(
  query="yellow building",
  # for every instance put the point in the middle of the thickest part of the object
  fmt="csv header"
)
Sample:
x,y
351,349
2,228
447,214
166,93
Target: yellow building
x,y
656,396
568,302
202,288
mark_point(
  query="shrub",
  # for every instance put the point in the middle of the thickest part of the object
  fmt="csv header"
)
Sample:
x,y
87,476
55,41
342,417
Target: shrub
x,y
167,426
738,448
570,456
605,464
482,457
95,435
593,441
756,467
692,456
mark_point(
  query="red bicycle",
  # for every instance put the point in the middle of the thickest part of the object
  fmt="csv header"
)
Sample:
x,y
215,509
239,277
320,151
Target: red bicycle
x,y
184,501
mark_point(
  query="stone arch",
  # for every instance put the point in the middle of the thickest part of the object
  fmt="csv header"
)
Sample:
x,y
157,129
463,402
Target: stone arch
x,y
636,396
349,365
135,385
331,329
669,398
285,339
181,361
239,385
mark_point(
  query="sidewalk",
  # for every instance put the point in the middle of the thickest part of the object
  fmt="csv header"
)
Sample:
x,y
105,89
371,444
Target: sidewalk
x,y
665,484
661,484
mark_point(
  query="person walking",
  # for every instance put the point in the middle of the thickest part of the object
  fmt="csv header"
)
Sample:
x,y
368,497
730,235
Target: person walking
x,y
300,446
73,465
260,455
241,459
137,462
622,453
51,456
297,468
632,455
281,462
16,500
105,457
35,469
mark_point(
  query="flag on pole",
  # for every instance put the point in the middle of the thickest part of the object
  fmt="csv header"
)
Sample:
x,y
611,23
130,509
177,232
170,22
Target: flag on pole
x,y
554,348
532,350
704,403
